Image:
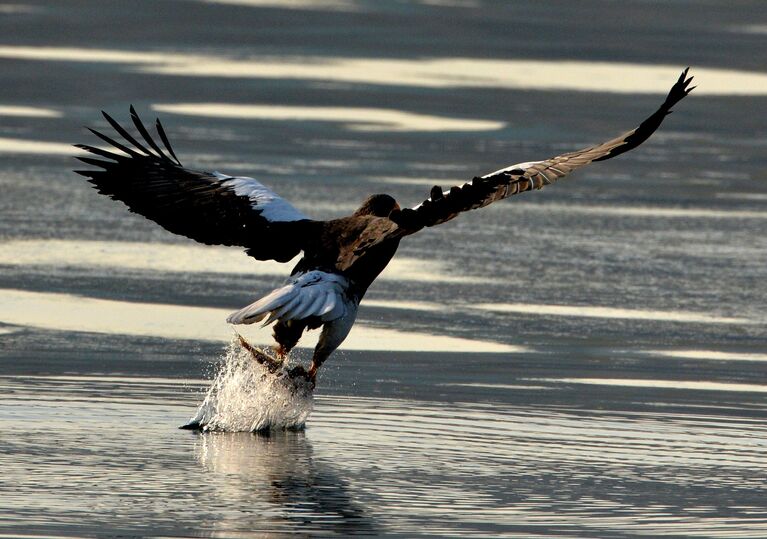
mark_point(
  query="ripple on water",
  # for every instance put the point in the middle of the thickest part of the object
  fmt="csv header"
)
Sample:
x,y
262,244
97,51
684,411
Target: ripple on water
x,y
371,465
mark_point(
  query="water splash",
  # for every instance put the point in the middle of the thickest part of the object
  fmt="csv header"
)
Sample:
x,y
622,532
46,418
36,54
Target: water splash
x,y
246,396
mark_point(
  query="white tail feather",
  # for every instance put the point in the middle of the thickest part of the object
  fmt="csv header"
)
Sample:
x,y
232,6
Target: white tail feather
x,y
330,303
316,306
315,293
276,299
339,309
287,307
302,308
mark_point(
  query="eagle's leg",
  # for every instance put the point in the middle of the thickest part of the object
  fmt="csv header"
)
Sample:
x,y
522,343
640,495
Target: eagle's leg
x,y
333,334
286,335
319,357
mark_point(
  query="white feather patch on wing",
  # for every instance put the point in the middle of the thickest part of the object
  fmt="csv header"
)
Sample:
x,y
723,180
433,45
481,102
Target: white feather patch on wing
x,y
314,293
520,166
272,207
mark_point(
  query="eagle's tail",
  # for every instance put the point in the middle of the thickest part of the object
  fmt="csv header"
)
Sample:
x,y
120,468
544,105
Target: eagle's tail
x,y
315,293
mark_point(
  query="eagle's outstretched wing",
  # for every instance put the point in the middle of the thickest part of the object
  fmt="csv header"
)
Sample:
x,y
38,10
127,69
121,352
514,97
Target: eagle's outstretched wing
x,y
209,207
443,206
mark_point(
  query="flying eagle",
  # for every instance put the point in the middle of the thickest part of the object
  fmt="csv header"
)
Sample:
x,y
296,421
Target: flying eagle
x,y
341,257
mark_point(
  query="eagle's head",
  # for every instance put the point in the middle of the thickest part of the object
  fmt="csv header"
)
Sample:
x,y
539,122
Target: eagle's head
x,y
378,206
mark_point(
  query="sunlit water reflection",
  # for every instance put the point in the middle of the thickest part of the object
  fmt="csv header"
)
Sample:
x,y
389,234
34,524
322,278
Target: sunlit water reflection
x,y
619,77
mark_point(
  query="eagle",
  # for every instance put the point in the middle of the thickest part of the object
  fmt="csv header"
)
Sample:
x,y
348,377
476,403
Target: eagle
x,y
341,257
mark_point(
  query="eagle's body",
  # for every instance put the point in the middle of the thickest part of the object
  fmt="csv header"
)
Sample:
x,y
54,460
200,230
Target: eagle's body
x,y
319,292
341,257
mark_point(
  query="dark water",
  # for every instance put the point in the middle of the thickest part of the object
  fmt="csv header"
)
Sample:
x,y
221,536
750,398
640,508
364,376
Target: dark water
x,y
609,380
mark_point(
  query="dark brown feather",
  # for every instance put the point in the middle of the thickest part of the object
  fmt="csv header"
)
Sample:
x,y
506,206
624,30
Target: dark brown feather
x,y
194,204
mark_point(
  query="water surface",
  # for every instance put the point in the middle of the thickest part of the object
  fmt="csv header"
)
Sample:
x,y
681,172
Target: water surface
x,y
584,361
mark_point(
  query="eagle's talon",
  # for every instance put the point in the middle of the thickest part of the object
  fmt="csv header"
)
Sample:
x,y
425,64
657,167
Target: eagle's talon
x,y
299,372
312,375
280,352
